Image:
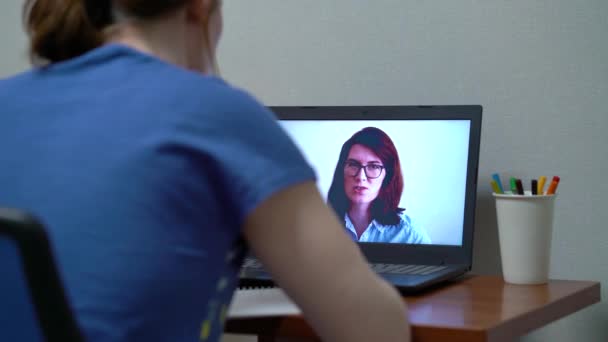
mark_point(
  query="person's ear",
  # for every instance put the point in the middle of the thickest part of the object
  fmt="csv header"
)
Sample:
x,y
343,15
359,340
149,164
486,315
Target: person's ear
x,y
199,11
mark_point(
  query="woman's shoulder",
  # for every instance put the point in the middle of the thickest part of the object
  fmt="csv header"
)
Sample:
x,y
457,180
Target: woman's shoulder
x,y
399,220
206,90
407,223
202,100
184,87
227,106
404,219
211,95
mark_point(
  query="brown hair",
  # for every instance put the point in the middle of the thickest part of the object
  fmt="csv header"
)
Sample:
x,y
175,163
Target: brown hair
x,y
384,208
64,29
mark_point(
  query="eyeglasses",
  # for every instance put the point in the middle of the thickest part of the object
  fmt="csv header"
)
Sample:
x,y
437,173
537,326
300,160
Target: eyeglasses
x,y
372,171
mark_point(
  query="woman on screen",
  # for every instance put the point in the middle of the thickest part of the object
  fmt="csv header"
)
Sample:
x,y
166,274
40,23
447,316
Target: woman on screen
x,y
366,190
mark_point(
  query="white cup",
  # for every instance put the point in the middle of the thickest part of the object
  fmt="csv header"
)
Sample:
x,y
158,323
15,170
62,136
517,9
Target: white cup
x,y
525,228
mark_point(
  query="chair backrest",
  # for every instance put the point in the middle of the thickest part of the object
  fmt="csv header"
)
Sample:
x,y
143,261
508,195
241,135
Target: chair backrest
x,y
33,305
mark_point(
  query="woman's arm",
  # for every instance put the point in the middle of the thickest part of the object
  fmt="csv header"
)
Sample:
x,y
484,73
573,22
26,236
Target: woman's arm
x,y
303,245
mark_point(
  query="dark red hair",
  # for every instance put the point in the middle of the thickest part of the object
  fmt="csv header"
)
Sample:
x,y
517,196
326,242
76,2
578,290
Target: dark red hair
x,y
385,208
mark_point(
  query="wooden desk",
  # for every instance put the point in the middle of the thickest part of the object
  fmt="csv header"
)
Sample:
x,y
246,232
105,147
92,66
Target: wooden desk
x,y
473,309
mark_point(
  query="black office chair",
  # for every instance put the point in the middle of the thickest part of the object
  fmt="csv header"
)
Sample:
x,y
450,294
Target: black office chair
x,y
33,306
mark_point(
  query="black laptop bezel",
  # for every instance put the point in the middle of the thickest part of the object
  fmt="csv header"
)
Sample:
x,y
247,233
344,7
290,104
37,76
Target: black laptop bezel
x,y
414,254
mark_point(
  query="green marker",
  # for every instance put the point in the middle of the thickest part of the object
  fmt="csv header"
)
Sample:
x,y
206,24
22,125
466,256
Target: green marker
x,y
513,183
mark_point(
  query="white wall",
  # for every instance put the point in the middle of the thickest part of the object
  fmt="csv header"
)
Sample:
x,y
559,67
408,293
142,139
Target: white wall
x,y
13,52
538,67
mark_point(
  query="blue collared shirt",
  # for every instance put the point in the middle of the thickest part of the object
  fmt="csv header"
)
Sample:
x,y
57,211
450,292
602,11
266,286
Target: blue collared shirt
x,y
403,232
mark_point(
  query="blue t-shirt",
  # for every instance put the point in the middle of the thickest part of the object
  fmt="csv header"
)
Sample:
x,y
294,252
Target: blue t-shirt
x,y
143,173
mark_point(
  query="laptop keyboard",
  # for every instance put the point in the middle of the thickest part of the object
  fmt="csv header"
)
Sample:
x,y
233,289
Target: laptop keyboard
x,y
255,264
251,263
406,269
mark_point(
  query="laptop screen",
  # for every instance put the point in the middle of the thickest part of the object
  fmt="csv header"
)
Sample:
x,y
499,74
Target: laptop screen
x,y
391,181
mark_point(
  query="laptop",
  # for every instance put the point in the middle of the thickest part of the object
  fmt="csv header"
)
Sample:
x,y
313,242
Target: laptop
x,y
428,239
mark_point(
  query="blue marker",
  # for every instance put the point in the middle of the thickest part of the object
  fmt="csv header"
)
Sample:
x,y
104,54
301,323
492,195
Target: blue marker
x,y
496,178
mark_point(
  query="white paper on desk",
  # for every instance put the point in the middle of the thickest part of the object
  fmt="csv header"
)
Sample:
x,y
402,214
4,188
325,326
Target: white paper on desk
x,y
261,302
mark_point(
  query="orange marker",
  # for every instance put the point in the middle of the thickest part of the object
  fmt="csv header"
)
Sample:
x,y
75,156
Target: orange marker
x,y
553,185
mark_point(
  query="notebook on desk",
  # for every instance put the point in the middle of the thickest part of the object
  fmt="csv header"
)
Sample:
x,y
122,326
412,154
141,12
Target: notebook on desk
x,y
404,180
